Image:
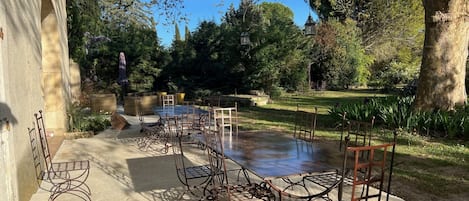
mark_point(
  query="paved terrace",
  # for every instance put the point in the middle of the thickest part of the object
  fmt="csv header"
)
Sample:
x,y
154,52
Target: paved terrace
x,y
120,171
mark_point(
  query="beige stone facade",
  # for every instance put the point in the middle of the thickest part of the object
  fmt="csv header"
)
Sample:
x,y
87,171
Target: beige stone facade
x,y
35,75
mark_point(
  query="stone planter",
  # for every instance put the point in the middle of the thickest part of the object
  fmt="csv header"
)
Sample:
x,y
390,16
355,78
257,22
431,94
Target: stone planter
x,y
180,98
103,103
144,104
160,94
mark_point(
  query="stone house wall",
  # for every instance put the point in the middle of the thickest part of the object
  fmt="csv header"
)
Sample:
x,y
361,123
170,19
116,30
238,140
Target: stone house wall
x,y
34,75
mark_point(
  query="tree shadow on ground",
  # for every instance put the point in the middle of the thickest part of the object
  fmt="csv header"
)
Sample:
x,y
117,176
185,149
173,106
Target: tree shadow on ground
x,y
283,116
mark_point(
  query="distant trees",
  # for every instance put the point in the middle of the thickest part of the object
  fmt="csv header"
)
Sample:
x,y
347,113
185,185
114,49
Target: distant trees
x,y
99,30
387,37
213,58
358,43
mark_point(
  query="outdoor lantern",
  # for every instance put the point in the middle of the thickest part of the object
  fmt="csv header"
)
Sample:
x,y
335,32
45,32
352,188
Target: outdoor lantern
x,y
310,26
245,38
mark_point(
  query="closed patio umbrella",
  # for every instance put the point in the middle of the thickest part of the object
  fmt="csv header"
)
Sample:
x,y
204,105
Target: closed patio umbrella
x,y
122,80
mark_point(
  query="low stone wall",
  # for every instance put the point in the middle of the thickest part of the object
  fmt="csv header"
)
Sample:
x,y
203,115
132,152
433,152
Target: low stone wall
x,y
242,100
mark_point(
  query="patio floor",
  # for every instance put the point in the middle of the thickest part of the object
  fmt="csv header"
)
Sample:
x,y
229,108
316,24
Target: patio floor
x,y
120,171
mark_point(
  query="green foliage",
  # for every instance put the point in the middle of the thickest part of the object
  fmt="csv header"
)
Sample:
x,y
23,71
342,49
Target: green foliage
x,y
99,30
212,58
339,57
81,120
390,34
397,112
281,51
360,112
199,94
275,92
177,34
83,16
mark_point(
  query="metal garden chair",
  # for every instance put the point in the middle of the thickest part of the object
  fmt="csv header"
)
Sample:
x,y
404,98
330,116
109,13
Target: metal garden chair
x,y
372,171
361,130
153,134
305,124
191,176
64,177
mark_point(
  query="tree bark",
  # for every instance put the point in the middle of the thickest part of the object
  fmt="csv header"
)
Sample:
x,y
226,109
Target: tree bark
x,y
442,73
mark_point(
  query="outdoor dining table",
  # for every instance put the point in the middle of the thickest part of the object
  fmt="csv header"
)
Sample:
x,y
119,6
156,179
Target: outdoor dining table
x,y
175,110
272,155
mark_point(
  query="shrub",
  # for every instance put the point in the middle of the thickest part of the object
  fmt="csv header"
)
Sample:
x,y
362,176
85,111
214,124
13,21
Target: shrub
x,y
361,111
275,92
202,93
397,113
80,119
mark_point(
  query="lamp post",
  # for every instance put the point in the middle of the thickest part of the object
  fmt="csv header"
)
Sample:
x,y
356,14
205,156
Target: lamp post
x,y
310,30
244,40
310,26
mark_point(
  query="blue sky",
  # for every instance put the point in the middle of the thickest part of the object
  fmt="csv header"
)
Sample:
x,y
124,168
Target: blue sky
x,y
200,10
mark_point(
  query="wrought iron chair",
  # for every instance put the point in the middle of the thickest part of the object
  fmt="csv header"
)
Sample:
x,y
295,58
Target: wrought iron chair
x,y
64,177
371,171
153,133
360,129
306,187
191,176
305,124
220,187
191,120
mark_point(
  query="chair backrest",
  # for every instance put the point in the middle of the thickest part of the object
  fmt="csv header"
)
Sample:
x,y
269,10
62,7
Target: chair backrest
x,y
216,158
360,132
305,124
189,117
171,128
226,117
168,100
40,129
360,129
369,171
38,167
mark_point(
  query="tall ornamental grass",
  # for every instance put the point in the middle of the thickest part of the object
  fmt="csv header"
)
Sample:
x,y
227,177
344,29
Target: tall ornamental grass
x,y
397,113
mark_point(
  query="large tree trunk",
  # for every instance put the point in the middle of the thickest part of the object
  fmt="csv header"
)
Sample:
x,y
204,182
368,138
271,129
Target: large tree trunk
x,y
442,74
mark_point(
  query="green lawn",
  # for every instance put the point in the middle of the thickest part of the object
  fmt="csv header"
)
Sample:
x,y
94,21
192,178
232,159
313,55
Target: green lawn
x,y
425,168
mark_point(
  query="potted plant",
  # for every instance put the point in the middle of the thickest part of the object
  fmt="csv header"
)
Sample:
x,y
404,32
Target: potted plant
x,y
180,96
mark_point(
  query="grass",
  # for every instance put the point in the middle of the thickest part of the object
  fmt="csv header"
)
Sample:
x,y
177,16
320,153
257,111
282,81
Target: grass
x,y
425,168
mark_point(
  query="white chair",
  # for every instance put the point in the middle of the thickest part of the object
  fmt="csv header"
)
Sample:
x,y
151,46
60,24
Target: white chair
x,y
168,100
226,118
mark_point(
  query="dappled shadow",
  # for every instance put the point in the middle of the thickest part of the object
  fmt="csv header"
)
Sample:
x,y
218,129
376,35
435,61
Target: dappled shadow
x,y
323,102
324,121
441,177
147,184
